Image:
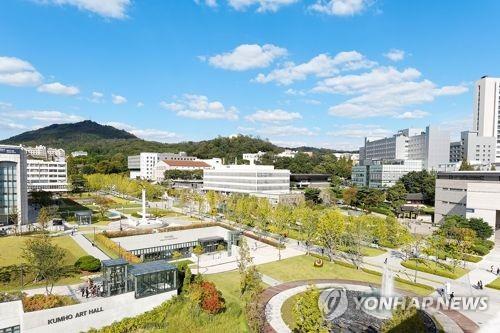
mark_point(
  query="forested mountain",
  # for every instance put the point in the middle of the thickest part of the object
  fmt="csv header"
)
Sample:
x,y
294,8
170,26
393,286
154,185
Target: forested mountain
x,y
106,141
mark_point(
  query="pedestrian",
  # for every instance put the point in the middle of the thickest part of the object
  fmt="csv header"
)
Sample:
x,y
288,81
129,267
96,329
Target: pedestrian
x,y
82,290
452,295
385,261
86,292
491,268
498,271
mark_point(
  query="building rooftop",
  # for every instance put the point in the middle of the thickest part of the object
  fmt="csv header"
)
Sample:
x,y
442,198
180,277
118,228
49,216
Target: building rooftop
x,y
114,262
187,163
151,267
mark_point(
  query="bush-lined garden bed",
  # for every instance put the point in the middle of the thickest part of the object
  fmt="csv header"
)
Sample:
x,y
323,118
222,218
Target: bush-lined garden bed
x,y
435,268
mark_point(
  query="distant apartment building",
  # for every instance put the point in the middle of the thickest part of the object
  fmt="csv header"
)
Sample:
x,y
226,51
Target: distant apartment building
x,y
486,111
350,156
142,166
253,157
45,153
475,149
13,191
166,165
469,194
383,174
47,176
79,153
431,146
247,179
289,153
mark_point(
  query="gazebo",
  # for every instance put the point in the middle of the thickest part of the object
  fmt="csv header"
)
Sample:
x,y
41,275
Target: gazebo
x,y
408,212
83,217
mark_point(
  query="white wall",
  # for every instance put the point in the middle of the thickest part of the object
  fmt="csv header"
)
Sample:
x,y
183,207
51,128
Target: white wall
x,y
80,317
483,201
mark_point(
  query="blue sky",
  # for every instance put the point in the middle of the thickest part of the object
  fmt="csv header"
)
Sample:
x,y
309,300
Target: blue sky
x,y
298,72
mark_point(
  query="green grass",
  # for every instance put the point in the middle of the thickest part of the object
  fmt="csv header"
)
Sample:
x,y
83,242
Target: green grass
x,y
432,267
11,249
301,268
495,284
287,311
105,249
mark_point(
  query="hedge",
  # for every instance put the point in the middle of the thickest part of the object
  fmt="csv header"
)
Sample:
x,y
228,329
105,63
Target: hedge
x,y
112,246
441,270
88,263
41,302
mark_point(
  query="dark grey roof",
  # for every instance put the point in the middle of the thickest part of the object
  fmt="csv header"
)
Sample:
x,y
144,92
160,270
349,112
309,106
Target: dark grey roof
x,y
83,213
114,262
151,267
210,239
415,196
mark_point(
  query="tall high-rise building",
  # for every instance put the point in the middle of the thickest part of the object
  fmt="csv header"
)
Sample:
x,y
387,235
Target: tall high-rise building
x,y
13,191
486,115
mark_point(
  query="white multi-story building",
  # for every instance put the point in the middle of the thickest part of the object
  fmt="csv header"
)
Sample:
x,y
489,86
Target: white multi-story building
x,y
247,179
475,149
486,110
13,191
142,166
165,165
45,153
288,153
431,146
383,174
47,176
253,157
79,153
469,194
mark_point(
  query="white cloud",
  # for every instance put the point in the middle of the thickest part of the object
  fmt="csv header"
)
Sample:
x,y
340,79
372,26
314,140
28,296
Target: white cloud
x,y
199,107
322,65
384,91
11,126
97,97
58,88
43,116
340,7
395,55
139,104
273,116
117,99
209,3
17,72
311,101
262,5
247,56
146,134
289,144
286,130
360,131
116,9
416,114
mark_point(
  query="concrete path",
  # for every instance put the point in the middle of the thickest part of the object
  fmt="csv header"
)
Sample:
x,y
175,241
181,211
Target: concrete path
x,y
270,281
86,245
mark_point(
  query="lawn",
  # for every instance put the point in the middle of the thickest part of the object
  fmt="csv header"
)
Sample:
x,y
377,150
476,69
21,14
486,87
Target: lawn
x,y
432,267
495,284
287,311
11,249
10,254
103,248
302,268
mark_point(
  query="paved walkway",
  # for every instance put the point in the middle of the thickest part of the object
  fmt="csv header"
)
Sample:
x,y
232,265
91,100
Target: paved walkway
x,y
270,281
86,245
273,298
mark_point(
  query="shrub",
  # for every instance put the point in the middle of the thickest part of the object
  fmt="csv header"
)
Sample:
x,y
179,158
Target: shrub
x,y
88,263
480,249
211,299
41,302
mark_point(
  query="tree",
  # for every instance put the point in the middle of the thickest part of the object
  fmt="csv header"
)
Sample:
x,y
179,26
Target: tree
x,y
312,195
420,182
213,199
45,260
331,227
349,195
103,204
308,316
43,217
396,195
373,198
465,166
482,229
308,219
198,251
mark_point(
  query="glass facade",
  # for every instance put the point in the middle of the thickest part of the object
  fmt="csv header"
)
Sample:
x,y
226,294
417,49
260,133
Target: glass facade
x,y
8,193
153,283
12,329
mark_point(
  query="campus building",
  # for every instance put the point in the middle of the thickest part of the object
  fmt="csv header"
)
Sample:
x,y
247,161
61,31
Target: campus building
x,y
486,110
47,176
13,191
247,179
42,152
382,174
253,157
469,194
431,146
166,165
475,149
142,166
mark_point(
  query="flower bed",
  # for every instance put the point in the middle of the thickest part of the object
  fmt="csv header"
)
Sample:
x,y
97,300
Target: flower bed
x,y
41,302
